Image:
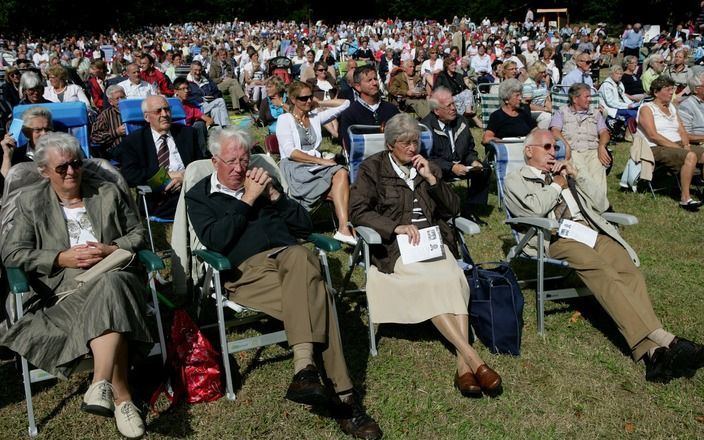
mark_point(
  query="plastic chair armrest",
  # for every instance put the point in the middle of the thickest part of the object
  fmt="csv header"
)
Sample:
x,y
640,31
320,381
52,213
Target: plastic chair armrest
x,y
325,243
369,235
466,226
17,280
144,189
218,261
150,260
620,218
538,222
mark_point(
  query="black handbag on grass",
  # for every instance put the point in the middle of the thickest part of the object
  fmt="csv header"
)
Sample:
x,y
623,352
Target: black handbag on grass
x,y
495,305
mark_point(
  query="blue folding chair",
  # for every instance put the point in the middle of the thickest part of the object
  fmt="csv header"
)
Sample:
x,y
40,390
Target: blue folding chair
x,y
69,117
509,158
366,140
133,117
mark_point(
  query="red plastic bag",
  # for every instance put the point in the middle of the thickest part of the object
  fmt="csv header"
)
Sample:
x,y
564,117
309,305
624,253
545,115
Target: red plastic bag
x,y
193,357
194,365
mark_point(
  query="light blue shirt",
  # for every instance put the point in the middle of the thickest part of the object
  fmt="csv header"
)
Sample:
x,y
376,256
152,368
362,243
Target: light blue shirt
x,y
633,40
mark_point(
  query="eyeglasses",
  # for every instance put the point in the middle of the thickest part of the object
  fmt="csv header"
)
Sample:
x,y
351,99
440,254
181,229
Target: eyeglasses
x,y
165,109
62,169
406,144
547,146
320,70
243,163
585,61
304,98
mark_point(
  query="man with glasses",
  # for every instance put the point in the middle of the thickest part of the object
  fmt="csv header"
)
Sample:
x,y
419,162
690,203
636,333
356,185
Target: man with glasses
x,y
581,74
245,215
453,149
194,116
367,108
654,66
108,129
546,187
157,155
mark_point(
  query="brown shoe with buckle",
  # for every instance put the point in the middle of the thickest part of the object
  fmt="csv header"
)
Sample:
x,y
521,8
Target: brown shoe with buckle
x,y
467,385
356,421
489,380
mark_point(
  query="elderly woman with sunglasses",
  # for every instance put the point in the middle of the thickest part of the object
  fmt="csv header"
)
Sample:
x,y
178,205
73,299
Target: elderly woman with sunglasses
x,y
310,176
398,193
32,89
63,226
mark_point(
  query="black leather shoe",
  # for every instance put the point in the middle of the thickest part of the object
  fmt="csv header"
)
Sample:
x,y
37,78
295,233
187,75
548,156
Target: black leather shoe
x,y
658,367
356,422
306,388
687,356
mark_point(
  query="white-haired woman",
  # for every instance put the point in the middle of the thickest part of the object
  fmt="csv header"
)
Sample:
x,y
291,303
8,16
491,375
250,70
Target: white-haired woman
x,y
63,227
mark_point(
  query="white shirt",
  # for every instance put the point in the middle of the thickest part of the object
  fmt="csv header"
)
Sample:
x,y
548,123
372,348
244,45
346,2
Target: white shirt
x,y
217,187
175,162
80,229
141,90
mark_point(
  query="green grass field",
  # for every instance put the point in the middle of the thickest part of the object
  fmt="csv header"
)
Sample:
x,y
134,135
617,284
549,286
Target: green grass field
x,y
576,382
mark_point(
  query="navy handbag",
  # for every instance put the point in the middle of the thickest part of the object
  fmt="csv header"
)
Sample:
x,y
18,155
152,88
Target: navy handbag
x,y
495,305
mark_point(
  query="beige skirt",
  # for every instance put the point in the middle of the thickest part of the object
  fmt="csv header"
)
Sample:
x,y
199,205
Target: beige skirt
x,y
416,292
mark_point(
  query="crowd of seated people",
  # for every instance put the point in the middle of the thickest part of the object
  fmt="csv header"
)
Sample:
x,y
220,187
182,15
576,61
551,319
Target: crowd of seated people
x,y
343,75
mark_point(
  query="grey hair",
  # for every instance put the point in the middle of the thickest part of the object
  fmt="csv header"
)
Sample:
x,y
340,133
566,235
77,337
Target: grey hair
x,y
576,89
401,125
695,77
650,59
217,137
508,88
29,80
627,59
615,69
433,101
112,89
37,112
62,142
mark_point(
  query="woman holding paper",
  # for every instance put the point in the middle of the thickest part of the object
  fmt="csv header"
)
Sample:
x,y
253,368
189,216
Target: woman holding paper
x,y
309,176
401,195
62,227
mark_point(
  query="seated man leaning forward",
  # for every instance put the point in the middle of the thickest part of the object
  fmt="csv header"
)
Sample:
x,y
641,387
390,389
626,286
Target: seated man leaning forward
x,y
546,187
244,215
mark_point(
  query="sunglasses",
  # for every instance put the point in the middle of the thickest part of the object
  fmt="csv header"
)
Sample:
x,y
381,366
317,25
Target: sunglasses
x,y
62,169
304,98
548,146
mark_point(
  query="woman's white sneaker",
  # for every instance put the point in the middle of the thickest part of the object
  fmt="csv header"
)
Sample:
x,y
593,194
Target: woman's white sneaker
x,y
98,399
129,421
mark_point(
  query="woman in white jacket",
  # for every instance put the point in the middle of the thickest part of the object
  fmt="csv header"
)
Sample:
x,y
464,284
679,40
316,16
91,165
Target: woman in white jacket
x,y
308,174
613,96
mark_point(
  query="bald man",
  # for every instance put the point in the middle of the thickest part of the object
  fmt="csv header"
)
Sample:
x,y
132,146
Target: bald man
x,y
551,188
159,146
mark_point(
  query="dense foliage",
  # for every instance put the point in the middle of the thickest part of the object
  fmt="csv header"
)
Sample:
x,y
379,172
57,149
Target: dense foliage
x,y
43,16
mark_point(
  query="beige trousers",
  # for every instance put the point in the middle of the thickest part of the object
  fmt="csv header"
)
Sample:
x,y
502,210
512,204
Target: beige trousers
x,y
618,285
289,287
